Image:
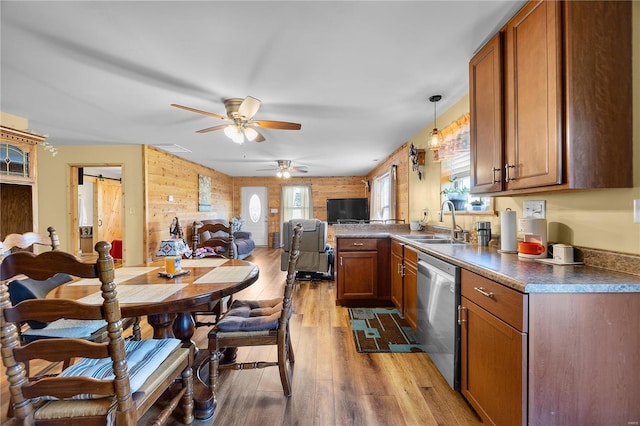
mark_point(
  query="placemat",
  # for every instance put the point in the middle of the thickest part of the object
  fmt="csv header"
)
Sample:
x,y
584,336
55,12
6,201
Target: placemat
x,y
137,293
120,275
203,263
225,274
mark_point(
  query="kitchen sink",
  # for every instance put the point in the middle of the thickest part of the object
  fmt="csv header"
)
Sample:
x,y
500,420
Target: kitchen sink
x,y
440,241
431,239
420,237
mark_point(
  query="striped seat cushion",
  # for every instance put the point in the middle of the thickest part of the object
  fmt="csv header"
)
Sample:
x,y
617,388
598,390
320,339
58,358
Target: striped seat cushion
x,y
143,358
251,315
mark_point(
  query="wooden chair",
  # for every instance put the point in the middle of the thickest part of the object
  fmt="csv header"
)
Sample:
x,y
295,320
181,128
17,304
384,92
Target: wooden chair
x,y
107,384
216,235
22,289
17,242
258,323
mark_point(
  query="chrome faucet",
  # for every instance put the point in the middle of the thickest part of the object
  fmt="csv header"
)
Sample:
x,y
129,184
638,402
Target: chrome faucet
x,y
453,217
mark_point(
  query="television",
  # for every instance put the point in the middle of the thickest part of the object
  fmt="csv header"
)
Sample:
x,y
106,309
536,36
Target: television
x,y
347,208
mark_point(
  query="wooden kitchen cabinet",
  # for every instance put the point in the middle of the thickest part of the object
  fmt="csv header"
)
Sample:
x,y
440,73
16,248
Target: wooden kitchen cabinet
x,y
404,281
410,272
494,350
486,105
561,103
533,151
397,287
362,270
18,181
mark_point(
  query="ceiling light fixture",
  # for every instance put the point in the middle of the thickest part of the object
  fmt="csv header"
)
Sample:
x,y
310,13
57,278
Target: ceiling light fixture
x,y
235,133
435,137
284,167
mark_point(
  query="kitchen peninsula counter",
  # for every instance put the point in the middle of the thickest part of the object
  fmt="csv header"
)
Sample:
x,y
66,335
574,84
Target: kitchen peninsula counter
x,y
522,274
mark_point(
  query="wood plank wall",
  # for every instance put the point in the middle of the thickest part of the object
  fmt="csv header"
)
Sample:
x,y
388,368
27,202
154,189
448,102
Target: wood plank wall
x,y
400,157
321,188
168,175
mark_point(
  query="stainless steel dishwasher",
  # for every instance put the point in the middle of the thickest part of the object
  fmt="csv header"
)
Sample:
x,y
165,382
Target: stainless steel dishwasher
x,y
437,327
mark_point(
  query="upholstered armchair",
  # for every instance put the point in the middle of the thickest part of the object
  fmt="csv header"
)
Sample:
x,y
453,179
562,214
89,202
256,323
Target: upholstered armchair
x,y
316,256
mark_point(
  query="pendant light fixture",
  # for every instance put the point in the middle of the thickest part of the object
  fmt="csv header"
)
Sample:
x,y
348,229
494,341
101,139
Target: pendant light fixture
x,y
435,137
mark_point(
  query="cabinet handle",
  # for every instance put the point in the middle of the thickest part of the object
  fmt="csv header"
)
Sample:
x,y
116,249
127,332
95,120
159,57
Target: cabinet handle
x,y
401,269
358,244
506,172
496,169
484,292
340,260
460,320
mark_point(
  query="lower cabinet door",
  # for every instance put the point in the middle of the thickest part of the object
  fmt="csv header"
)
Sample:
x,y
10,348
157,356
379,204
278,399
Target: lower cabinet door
x,y
493,366
357,274
411,294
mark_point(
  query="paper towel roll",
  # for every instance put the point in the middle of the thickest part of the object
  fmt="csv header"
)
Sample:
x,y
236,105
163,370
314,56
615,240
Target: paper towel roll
x,y
508,231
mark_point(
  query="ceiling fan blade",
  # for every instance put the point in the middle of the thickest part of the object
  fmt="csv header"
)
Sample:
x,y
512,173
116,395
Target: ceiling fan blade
x,y
249,107
211,129
198,111
300,169
259,138
283,125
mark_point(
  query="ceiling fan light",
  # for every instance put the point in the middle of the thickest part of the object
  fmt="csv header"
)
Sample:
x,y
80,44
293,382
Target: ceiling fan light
x,y
250,133
279,173
230,131
286,174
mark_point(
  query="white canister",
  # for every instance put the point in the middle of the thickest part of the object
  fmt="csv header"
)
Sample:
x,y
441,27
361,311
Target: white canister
x,y
563,253
415,225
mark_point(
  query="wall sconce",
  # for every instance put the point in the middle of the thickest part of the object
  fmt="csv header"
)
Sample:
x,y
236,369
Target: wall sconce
x,y
417,158
435,137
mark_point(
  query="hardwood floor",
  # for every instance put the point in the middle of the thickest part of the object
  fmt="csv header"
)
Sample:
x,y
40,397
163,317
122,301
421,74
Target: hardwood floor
x,y
332,383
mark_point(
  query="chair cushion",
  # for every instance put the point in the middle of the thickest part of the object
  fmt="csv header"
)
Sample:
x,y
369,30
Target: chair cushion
x,y
252,315
27,288
143,358
68,328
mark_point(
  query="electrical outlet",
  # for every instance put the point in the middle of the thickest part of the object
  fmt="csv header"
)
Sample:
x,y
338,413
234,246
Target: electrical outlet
x,y
636,211
534,208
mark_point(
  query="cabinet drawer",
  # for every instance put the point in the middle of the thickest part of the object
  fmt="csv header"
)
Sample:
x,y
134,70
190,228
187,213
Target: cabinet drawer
x,y
507,304
397,248
411,255
359,244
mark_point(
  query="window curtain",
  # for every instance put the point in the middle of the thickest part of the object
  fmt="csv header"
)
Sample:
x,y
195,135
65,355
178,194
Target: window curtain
x,y
296,202
383,195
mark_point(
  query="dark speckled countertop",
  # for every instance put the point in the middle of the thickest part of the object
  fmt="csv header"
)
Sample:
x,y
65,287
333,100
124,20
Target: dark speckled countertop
x,y
525,275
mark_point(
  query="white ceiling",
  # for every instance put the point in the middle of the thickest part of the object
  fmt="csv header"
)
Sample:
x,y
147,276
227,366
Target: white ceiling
x,y
356,74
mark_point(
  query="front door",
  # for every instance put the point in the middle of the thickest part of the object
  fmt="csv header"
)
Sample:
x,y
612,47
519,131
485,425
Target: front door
x,y
254,211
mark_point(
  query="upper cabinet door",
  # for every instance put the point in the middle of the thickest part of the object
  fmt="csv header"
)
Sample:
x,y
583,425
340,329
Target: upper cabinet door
x,y
486,104
533,96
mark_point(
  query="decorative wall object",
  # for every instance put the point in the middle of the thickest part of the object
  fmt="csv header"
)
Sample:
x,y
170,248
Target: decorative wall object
x,y
204,193
417,160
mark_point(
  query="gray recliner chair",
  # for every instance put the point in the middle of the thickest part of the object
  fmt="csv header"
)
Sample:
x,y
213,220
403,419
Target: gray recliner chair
x,y
316,256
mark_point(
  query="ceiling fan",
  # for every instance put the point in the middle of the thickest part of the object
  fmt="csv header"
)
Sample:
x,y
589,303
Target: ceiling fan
x,y
284,169
240,120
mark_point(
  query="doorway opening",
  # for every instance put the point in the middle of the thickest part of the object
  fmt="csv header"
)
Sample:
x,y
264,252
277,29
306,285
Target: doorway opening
x,y
96,194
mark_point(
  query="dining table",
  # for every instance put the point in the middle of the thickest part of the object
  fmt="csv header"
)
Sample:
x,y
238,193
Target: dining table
x,y
169,302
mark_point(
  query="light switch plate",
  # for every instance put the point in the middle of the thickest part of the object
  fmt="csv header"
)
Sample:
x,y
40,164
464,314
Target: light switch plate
x,y
534,208
636,211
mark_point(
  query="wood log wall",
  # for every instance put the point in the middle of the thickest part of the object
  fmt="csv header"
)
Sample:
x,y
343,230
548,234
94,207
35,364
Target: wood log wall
x,y
168,175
